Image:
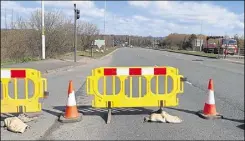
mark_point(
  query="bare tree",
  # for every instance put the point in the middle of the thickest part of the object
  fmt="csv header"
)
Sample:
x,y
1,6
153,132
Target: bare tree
x,y
87,33
25,41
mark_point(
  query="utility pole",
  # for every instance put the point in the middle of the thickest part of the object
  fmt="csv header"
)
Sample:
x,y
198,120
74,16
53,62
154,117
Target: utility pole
x,y
129,40
5,12
113,44
76,16
104,24
201,41
12,19
43,33
92,48
153,42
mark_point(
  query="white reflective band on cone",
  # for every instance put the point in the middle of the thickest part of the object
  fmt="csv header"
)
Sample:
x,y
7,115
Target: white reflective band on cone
x,y
210,99
71,99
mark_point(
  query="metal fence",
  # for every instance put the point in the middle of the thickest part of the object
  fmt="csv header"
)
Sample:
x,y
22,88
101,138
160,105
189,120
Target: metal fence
x,y
212,52
241,51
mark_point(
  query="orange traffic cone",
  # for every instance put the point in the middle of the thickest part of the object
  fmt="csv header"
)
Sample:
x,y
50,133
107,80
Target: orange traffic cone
x,y
209,110
71,113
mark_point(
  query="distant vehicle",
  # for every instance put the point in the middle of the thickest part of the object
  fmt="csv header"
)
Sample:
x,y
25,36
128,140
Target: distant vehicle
x,y
227,45
231,45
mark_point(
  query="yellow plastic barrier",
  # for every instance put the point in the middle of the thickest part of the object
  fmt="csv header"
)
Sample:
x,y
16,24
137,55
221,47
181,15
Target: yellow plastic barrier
x,y
10,76
120,99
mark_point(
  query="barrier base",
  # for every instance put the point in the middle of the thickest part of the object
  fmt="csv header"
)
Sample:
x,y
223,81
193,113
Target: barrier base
x,y
159,111
70,120
200,114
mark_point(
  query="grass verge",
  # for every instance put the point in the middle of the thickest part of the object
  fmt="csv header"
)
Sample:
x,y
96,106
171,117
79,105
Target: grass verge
x,y
79,53
195,53
96,55
24,60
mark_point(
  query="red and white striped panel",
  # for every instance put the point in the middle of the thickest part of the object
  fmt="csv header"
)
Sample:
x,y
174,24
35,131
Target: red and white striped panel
x,y
13,73
135,71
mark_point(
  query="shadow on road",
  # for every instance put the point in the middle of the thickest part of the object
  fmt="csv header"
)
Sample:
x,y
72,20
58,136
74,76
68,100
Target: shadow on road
x,y
241,126
102,112
235,120
52,112
224,118
182,110
4,116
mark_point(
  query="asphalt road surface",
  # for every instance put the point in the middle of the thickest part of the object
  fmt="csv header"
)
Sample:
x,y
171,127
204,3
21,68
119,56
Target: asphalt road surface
x,y
127,123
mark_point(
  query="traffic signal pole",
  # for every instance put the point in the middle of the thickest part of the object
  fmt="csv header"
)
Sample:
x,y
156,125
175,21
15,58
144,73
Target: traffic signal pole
x,y
76,16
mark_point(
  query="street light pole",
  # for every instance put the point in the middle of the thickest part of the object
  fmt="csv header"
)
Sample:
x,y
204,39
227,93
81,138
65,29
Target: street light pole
x,y
104,23
43,34
201,42
75,33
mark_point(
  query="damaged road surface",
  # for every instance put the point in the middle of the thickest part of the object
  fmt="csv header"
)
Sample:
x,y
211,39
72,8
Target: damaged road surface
x,y
128,123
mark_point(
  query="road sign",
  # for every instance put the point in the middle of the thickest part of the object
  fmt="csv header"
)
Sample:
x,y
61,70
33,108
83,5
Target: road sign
x,y
99,43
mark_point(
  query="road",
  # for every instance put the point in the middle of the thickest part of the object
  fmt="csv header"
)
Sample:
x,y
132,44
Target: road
x,y
128,123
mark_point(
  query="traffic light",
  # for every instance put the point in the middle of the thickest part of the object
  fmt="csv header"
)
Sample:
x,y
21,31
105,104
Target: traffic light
x,y
78,14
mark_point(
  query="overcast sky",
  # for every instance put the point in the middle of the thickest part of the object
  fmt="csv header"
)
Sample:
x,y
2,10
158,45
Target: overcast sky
x,y
156,18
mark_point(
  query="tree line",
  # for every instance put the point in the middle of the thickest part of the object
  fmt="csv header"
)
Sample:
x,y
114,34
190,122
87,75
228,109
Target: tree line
x,y
185,41
24,40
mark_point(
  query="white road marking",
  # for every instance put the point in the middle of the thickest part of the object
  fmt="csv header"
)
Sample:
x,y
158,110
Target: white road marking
x,y
188,82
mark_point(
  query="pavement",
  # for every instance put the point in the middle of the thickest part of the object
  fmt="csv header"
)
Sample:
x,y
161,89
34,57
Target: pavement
x,y
235,60
52,65
238,59
127,123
